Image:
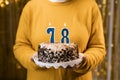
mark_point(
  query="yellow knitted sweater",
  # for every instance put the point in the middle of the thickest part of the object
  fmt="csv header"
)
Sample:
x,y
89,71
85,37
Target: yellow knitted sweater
x,y
81,19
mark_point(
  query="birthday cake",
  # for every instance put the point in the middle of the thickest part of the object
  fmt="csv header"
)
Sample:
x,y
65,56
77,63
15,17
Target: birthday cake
x,y
57,52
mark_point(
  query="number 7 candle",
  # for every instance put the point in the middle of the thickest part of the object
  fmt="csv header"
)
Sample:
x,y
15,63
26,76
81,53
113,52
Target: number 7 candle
x,y
51,30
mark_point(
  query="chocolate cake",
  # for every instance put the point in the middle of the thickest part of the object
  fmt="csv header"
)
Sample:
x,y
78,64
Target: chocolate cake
x,y
57,52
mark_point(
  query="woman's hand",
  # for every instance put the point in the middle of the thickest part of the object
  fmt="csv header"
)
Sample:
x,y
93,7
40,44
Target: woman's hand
x,y
36,67
80,65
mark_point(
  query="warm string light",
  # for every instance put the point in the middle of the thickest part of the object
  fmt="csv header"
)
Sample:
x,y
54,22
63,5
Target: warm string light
x,y
3,3
17,1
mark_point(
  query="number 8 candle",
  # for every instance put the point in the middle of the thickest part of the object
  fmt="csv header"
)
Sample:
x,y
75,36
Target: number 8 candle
x,y
65,36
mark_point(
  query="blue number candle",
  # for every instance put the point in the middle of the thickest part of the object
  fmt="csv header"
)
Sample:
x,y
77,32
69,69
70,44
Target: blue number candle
x,y
51,30
65,33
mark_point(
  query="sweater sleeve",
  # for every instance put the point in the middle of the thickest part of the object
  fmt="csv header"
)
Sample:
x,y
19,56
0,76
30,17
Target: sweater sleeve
x,y
23,49
95,51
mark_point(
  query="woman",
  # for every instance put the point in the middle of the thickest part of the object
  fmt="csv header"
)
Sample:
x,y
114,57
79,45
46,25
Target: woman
x,y
84,23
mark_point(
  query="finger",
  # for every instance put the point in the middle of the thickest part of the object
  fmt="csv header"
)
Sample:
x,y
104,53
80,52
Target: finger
x,y
77,66
69,67
31,58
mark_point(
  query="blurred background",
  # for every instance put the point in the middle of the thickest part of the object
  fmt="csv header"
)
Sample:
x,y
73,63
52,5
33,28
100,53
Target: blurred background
x,y
10,11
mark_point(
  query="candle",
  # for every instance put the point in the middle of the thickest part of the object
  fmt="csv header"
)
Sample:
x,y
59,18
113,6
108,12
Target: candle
x,y
51,29
65,33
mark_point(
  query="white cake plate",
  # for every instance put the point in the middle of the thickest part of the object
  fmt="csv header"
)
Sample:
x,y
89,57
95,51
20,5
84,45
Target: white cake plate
x,y
57,65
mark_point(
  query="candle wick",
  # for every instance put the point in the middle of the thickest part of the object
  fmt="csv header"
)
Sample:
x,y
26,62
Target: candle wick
x,y
65,24
49,24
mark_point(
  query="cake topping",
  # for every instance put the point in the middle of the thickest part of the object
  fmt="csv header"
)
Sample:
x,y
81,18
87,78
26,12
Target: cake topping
x,y
57,46
57,52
